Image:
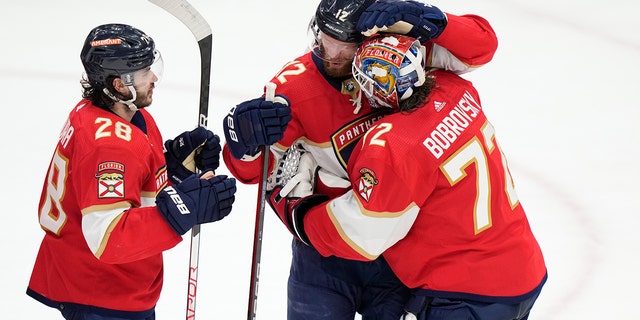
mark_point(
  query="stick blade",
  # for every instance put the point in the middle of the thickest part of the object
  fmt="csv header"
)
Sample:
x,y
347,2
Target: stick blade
x,y
188,15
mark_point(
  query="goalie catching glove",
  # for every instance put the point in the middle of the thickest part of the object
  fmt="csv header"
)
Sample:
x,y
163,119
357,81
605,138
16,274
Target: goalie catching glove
x,y
294,188
198,148
413,18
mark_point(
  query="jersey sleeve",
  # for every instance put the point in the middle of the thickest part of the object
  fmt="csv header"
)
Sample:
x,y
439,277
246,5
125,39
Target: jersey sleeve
x,y
468,42
373,215
116,196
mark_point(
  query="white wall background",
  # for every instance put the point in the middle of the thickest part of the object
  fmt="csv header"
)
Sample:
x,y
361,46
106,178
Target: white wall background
x,y
561,92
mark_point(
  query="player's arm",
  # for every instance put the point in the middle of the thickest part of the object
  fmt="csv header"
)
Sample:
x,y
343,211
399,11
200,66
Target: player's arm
x,y
466,43
360,224
120,222
455,43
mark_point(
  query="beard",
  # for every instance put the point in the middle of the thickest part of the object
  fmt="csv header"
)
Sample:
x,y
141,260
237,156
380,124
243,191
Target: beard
x,y
143,99
337,70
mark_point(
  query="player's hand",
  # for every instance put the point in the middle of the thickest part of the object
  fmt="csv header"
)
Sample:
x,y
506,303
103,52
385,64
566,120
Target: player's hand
x,y
290,189
256,123
196,201
410,17
208,156
196,148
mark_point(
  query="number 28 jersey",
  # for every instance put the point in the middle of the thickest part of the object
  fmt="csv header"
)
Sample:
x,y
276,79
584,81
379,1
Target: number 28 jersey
x,y
104,236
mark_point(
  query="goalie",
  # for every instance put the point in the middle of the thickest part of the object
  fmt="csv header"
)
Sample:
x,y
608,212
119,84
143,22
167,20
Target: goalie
x,y
430,191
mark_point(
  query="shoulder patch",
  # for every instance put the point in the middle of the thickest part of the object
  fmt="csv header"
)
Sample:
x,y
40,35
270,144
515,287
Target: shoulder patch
x,y
110,178
366,184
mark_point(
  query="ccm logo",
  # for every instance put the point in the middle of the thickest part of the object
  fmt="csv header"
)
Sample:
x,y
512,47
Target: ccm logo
x,y
175,197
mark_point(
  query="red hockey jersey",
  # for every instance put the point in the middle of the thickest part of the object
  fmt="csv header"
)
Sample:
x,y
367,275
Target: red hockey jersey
x,y
104,236
326,119
432,193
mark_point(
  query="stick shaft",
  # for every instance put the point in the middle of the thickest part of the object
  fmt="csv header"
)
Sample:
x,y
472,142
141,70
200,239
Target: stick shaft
x,y
201,30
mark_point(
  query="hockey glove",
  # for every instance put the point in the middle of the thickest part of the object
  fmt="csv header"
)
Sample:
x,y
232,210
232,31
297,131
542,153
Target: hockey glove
x,y
410,17
197,148
291,210
196,201
256,123
290,188
208,157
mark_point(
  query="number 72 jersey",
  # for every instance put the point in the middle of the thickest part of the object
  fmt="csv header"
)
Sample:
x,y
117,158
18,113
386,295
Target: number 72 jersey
x,y
432,193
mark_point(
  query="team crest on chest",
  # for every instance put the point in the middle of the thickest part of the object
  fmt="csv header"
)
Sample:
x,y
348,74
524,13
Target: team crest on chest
x,y
366,184
345,139
110,177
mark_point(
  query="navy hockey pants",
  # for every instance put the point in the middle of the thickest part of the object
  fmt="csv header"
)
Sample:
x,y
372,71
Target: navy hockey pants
x,y
433,308
69,312
444,309
335,289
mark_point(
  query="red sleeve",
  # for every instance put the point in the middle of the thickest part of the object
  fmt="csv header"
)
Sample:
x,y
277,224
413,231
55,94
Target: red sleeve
x,y
140,233
247,172
470,38
366,221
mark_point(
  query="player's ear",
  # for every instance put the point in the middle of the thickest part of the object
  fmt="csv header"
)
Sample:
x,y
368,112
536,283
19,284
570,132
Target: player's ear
x,y
119,86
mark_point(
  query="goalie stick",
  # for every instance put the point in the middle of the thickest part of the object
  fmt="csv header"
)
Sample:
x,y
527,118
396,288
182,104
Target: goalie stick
x,y
186,13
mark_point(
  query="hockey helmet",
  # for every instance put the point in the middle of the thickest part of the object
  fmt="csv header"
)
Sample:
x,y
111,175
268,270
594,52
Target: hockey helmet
x,y
388,68
118,50
338,20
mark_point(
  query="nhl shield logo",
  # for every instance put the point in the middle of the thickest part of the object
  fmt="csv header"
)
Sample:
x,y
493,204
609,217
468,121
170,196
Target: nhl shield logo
x,y
367,181
110,180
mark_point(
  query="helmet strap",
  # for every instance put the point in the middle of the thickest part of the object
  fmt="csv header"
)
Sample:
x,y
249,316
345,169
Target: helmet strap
x,y
417,65
129,102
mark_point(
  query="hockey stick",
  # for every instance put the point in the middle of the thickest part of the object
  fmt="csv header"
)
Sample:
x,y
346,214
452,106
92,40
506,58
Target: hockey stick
x,y
182,10
257,235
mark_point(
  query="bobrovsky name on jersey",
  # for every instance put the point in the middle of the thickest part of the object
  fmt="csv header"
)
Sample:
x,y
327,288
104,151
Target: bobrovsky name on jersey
x,y
452,125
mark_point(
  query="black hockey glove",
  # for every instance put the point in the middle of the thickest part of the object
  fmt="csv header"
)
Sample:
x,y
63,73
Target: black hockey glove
x,y
256,123
197,148
413,18
196,201
291,210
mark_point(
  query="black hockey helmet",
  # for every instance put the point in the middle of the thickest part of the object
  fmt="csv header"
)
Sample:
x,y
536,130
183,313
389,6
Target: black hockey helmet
x,y
116,50
338,18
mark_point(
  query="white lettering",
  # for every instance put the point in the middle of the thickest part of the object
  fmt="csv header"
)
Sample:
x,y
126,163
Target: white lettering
x,y
452,125
175,197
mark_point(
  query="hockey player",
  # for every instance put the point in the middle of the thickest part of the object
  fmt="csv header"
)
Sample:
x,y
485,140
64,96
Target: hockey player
x,y
327,118
430,192
107,208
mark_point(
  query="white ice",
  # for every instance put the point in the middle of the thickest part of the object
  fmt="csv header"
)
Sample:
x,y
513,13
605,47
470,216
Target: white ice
x,y
561,92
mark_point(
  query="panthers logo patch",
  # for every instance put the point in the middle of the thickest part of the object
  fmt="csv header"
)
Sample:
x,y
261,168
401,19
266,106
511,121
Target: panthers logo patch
x,y
345,139
366,184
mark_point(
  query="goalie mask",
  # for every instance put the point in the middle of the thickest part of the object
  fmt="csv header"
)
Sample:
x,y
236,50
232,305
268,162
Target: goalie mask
x,y
388,68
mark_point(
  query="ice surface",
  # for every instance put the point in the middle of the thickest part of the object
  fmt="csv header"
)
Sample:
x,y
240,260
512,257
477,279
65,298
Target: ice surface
x,y
561,93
